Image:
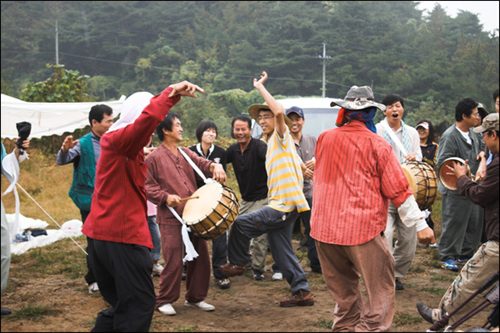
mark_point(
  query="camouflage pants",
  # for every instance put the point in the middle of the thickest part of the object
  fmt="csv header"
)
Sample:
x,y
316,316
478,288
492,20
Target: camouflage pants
x,y
473,275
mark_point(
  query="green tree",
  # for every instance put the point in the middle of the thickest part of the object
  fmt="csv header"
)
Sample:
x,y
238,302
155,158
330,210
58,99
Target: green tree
x,y
63,86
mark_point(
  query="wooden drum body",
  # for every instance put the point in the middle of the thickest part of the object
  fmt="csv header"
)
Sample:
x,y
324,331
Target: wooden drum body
x,y
213,212
423,182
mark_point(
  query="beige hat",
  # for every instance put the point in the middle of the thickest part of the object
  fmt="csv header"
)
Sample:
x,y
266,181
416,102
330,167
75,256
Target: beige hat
x,y
358,98
490,123
255,109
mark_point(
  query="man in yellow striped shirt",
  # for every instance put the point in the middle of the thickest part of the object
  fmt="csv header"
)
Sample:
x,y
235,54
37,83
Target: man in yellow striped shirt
x,y
286,200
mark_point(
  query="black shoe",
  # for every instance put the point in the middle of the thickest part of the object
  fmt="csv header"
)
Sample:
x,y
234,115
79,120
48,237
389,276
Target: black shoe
x,y
257,275
224,283
6,311
399,285
425,312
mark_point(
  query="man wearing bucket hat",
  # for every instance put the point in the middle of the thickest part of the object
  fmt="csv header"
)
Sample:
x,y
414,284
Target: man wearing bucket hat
x,y
356,175
286,200
484,262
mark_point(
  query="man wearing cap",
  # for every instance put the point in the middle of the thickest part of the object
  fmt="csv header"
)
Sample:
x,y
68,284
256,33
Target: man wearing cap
x,y
286,200
356,175
405,143
305,145
484,263
461,219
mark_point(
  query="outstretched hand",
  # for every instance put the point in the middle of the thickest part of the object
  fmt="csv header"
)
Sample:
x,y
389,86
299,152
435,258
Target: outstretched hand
x,y
263,78
458,169
185,88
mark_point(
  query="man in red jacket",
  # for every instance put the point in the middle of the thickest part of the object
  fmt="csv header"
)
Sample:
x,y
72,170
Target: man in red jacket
x,y
119,237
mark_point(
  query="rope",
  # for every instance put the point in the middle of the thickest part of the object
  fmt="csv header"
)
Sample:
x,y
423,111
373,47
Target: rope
x,y
50,217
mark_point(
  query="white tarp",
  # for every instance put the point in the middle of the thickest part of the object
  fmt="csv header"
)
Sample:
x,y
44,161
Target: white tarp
x,y
48,118
72,228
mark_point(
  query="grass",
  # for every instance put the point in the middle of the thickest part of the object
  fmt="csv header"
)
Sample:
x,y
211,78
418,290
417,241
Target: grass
x,y
404,319
33,312
323,323
186,329
434,290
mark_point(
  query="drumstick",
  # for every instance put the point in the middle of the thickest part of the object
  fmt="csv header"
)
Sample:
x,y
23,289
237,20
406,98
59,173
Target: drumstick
x,y
186,199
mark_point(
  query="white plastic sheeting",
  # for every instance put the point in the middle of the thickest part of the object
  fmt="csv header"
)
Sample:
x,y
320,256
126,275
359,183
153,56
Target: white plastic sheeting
x,y
48,118
72,228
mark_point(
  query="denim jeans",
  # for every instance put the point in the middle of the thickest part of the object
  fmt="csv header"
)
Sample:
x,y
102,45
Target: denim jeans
x,y
155,235
278,226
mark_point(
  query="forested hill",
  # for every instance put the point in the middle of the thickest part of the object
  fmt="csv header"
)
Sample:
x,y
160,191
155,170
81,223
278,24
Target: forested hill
x,y
431,59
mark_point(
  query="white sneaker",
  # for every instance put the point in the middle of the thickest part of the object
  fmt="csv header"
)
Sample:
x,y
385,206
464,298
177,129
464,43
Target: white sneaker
x,y
277,277
167,309
93,288
157,268
200,305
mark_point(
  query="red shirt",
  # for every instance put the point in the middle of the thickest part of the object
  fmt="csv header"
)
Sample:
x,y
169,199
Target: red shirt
x,y
355,176
118,211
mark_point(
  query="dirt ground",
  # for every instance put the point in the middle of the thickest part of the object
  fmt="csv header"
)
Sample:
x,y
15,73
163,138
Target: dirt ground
x,y
248,306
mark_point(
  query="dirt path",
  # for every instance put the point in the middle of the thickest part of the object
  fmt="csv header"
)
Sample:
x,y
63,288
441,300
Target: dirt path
x,y
248,306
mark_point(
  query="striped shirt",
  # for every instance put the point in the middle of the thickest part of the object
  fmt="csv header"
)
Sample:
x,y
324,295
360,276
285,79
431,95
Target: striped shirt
x,y
285,180
355,176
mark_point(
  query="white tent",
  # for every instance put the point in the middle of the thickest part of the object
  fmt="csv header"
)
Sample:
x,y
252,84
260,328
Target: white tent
x,y
48,118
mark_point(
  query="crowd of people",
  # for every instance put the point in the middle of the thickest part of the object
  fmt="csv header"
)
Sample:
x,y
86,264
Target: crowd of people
x,y
363,222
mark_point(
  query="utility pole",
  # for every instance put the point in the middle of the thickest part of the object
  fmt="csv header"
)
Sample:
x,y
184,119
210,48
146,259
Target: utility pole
x,y
325,58
57,45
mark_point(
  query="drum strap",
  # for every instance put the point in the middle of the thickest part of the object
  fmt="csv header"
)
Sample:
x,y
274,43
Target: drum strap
x,y
394,138
195,167
191,253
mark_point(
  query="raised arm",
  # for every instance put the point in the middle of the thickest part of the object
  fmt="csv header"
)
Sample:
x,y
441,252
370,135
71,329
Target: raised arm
x,y
276,108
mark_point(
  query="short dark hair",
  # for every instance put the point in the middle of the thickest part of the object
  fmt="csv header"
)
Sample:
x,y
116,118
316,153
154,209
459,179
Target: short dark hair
x,y
166,124
464,108
241,117
203,126
495,95
430,138
491,132
97,112
393,98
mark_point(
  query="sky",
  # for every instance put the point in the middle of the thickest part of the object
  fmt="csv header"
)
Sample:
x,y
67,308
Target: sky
x,y
487,10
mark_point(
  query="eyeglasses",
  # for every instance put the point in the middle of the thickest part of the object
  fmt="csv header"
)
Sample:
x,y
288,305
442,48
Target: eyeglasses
x,y
259,118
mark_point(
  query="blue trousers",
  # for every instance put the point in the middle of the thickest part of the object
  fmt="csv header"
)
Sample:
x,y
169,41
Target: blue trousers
x,y
89,277
278,226
155,235
219,255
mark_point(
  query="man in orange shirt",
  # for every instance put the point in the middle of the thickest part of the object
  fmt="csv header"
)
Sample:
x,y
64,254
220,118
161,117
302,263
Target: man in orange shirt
x,y
356,174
